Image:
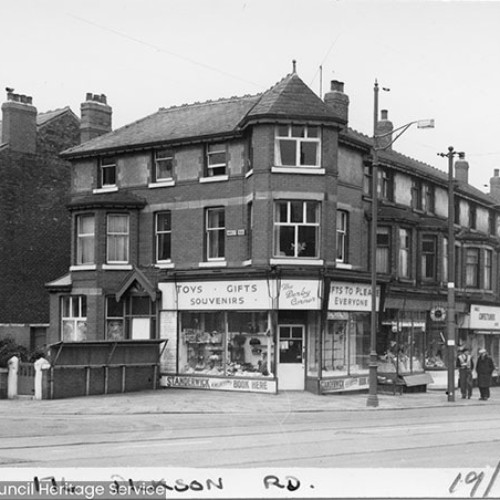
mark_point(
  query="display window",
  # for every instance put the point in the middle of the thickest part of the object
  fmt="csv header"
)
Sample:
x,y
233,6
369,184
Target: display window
x,y
226,343
346,344
435,354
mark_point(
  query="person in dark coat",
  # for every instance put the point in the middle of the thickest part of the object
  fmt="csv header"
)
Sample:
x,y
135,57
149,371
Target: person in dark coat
x,y
484,369
465,366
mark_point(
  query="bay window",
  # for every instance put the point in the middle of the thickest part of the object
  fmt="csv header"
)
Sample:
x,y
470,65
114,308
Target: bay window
x,y
383,250
73,318
472,267
117,239
342,220
85,239
404,253
296,229
298,146
428,257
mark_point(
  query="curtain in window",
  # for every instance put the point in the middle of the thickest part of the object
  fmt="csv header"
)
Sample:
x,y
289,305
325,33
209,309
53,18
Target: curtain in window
x,y
118,238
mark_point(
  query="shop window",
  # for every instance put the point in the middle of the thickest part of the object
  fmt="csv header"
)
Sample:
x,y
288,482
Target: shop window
x,y
296,229
488,269
342,234
163,230
383,250
298,146
74,318
472,267
164,165
85,239
435,352
226,344
107,172
117,239
428,257
404,253
346,344
216,162
215,233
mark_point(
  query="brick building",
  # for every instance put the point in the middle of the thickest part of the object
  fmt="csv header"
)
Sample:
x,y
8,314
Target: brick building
x,y
238,231
34,222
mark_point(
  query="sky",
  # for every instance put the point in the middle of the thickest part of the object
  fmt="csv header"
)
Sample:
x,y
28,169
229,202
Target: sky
x,y
440,60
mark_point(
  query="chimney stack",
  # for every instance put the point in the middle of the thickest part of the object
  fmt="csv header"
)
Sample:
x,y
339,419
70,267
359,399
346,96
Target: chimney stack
x,y
19,123
462,169
96,117
384,129
495,185
337,101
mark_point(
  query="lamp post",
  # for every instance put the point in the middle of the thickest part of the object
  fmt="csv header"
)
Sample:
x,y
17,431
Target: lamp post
x,y
372,378
450,330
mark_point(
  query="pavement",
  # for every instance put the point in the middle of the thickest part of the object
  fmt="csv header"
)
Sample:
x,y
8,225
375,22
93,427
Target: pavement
x,y
178,401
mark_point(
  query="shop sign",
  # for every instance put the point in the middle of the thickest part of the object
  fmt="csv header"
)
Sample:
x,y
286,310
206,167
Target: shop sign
x,y
343,384
484,317
220,384
351,297
241,295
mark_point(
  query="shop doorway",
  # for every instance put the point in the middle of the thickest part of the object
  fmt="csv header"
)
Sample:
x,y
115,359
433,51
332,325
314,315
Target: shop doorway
x,y
291,357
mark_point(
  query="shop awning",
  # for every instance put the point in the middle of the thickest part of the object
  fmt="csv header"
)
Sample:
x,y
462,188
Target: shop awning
x,y
419,379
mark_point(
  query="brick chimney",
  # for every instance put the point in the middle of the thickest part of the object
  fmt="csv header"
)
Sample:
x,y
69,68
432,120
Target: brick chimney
x,y
384,129
96,117
337,101
462,169
495,185
19,123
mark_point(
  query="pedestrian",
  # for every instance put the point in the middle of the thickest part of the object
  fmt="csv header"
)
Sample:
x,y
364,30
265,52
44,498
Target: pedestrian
x,y
484,369
465,365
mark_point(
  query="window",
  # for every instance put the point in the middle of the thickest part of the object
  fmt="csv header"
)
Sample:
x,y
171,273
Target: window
x,y
250,229
108,172
367,180
416,194
457,210
428,257
492,223
115,319
385,184
163,236
383,250
164,162
472,267
404,253
472,216
117,239
488,263
85,239
74,318
296,229
342,236
215,233
445,260
216,160
428,198
297,146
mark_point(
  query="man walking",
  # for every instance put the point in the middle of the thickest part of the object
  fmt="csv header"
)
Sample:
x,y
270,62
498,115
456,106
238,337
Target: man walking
x,y
484,369
465,366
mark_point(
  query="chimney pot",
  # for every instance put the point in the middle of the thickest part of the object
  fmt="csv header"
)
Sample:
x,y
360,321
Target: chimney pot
x,y
385,114
496,172
96,117
337,86
88,97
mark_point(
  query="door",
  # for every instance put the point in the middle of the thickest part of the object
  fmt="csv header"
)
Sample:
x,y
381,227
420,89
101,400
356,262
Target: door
x,y
291,357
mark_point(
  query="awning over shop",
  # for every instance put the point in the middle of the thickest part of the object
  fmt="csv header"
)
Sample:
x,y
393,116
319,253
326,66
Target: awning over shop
x,y
419,379
419,305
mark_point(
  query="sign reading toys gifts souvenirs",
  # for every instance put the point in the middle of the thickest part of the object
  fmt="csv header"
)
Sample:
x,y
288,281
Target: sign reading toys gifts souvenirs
x,y
241,295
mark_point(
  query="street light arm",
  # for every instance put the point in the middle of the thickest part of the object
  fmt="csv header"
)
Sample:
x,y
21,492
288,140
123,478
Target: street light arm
x,y
402,130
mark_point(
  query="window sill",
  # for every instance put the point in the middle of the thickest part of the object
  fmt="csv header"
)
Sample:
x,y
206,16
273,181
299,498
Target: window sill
x,y
160,184
164,265
298,170
249,173
343,265
110,189
83,267
217,178
213,263
247,262
117,267
297,262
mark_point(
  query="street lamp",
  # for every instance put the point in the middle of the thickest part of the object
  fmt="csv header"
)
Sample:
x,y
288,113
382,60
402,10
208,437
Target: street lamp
x,y
451,334
372,379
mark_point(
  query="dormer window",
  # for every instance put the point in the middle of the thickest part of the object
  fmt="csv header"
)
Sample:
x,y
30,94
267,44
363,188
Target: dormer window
x,y
216,160
297,146
108,172
164,163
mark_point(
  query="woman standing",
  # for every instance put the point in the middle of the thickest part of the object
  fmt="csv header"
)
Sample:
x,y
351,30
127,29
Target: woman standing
x,y
484,369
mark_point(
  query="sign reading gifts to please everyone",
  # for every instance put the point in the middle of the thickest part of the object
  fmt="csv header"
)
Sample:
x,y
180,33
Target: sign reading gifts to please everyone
x,y
241,295
351,297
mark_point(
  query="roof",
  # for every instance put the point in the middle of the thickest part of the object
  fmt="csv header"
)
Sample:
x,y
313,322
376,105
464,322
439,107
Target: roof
x,y
43,119
289,98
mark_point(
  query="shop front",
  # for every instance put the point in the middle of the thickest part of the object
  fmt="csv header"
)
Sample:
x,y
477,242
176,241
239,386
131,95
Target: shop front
x,y
243,335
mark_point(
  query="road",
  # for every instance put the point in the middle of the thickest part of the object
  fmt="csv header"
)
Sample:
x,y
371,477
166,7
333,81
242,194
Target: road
x,y
421,437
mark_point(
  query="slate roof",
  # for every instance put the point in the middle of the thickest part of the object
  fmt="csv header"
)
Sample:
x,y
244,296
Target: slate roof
x,y
289,98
